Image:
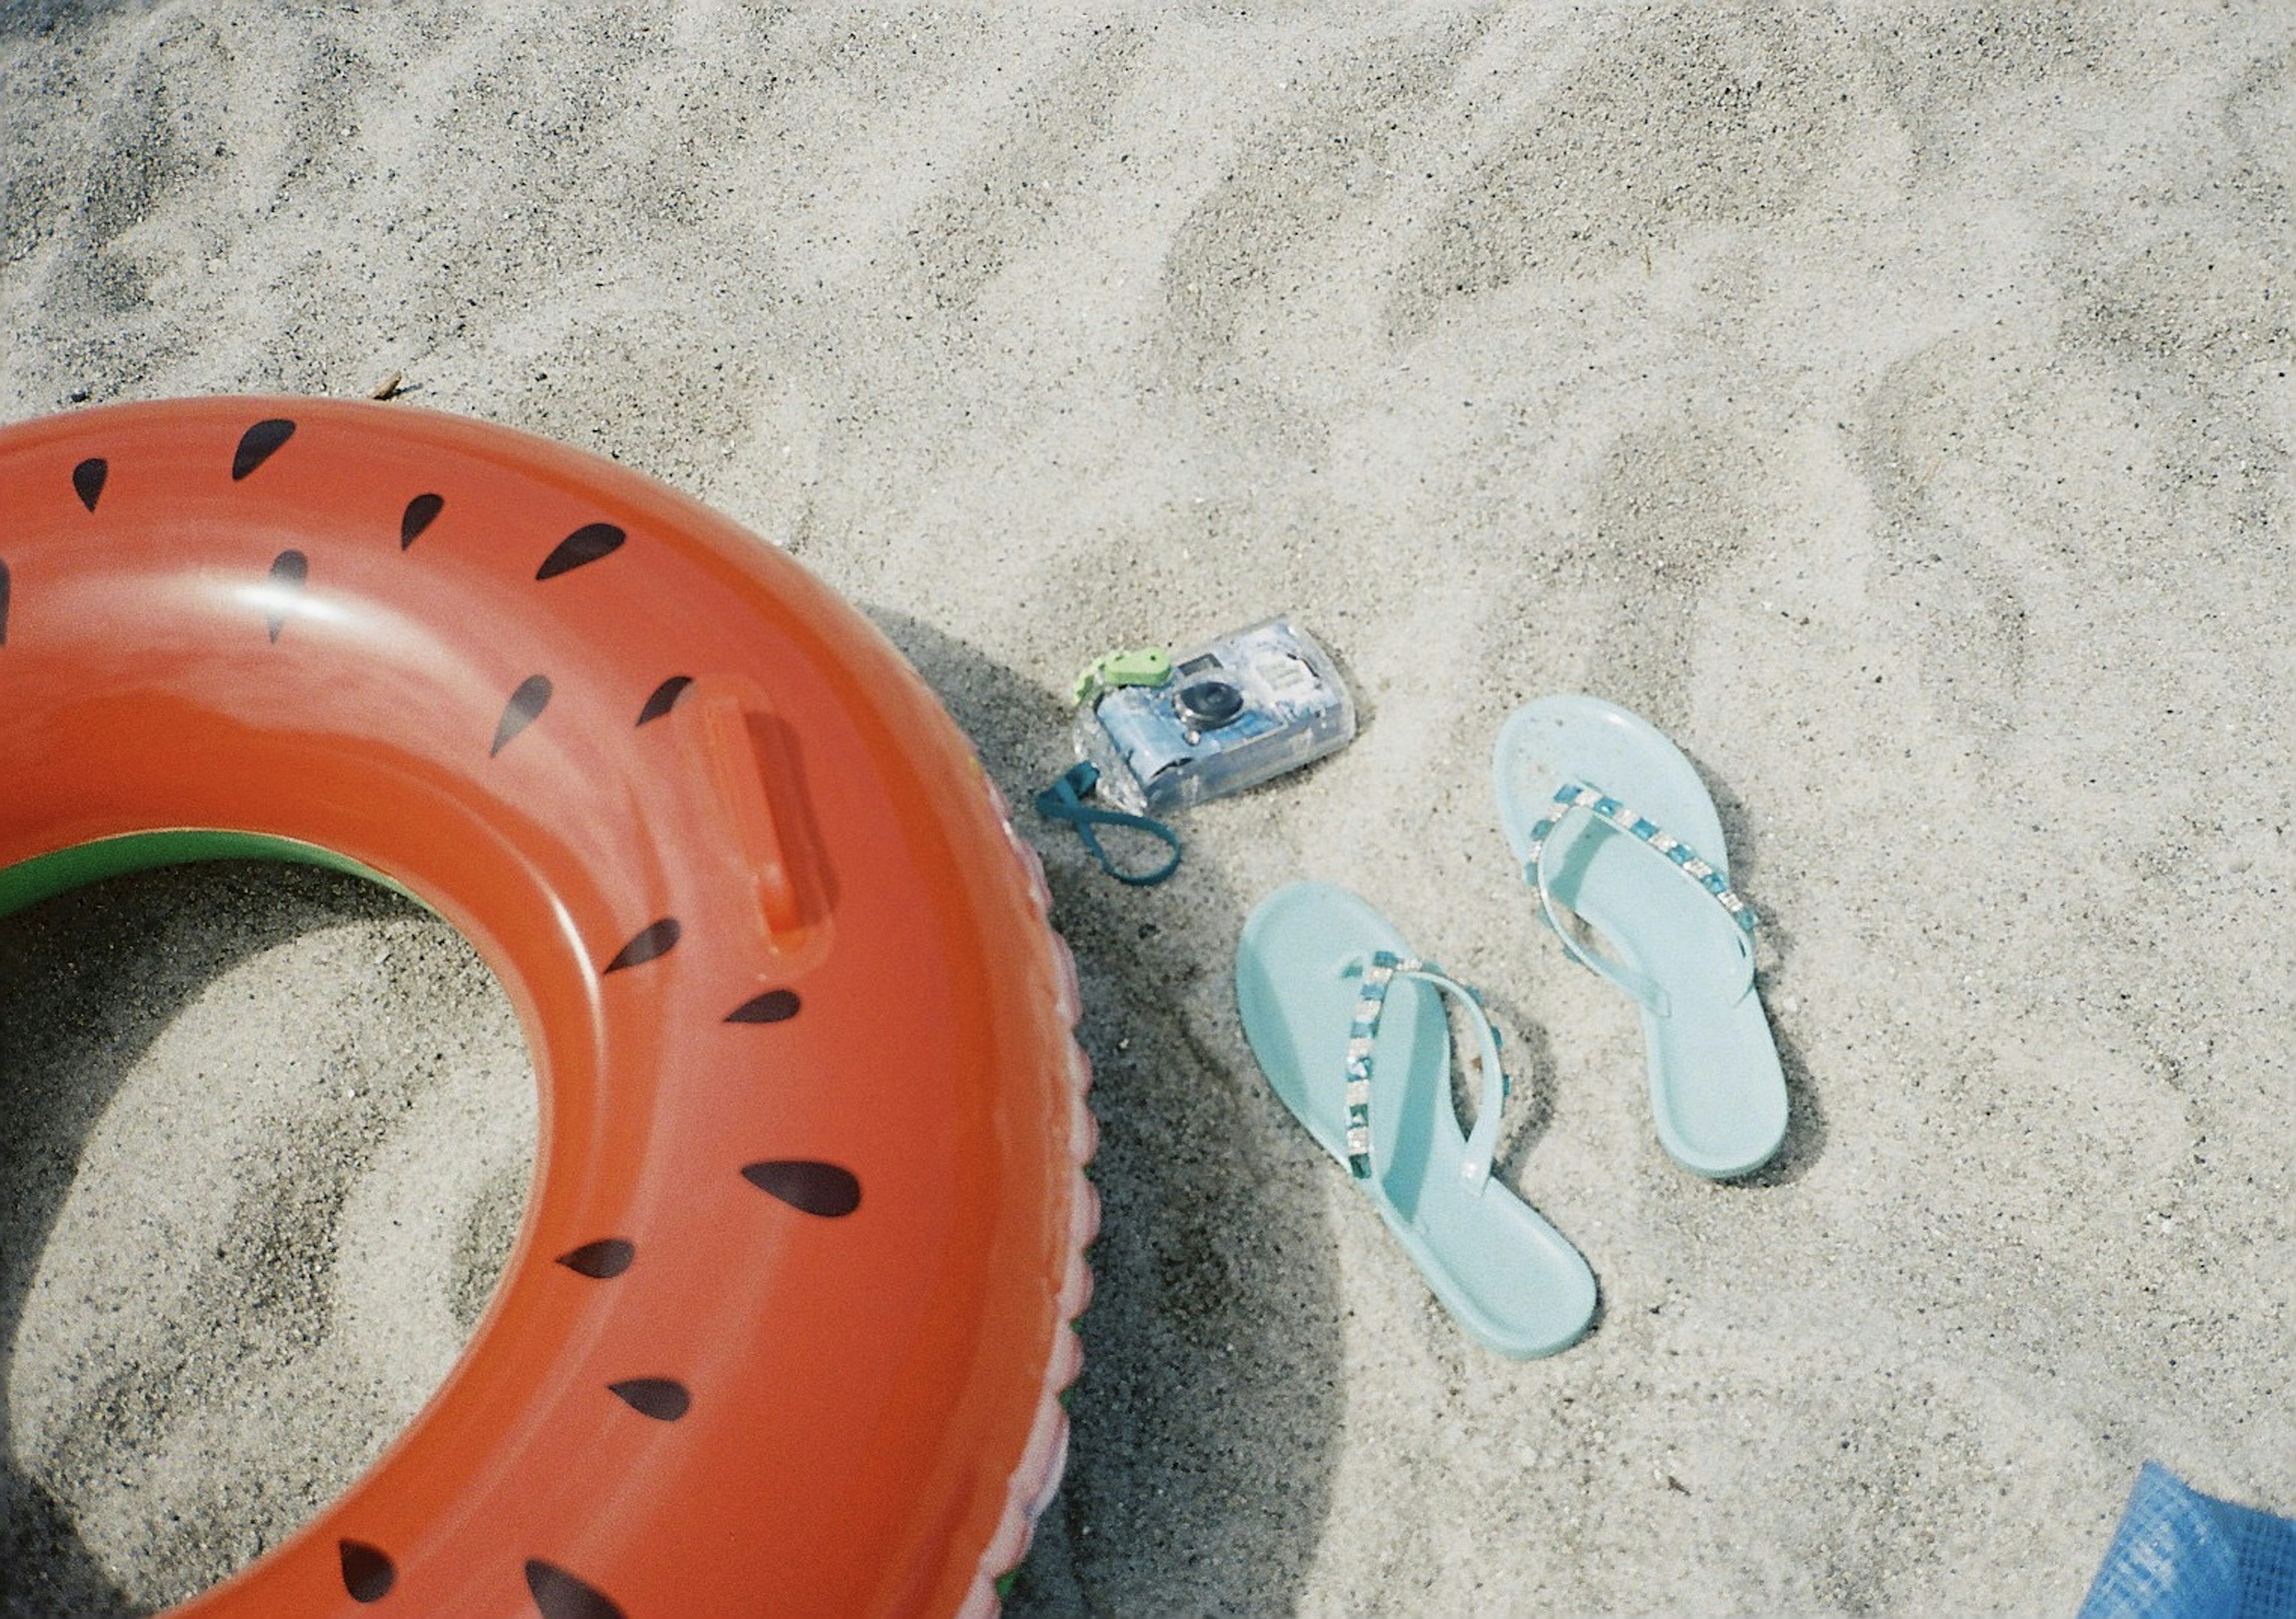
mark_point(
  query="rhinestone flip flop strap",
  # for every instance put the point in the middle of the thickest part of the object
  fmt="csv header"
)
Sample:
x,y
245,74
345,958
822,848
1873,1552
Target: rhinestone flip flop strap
x,y
1380,969
1578,796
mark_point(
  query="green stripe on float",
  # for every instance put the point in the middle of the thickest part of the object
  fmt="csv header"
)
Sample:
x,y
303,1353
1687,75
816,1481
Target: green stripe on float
x,y
28,882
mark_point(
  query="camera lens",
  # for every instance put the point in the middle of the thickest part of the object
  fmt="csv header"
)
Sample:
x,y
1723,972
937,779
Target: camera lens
x,y
1210,704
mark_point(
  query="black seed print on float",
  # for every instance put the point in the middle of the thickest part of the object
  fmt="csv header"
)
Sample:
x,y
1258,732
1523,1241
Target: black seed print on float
x,y
775,1006
663,1399
421,511
585,544
651,942
289,569
4,604
367,1572
603,1260
559,1595
257,445
532,696
87,480
665,698
818,1189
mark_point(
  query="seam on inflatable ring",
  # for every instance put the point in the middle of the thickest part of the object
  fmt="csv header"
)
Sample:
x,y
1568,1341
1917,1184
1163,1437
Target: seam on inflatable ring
x,y
1044,1460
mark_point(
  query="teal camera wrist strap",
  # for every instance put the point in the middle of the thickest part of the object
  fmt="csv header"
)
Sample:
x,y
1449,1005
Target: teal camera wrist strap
x,y
1064,800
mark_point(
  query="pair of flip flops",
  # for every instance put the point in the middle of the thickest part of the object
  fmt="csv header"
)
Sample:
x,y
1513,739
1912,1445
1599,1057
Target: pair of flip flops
x,y
1611,825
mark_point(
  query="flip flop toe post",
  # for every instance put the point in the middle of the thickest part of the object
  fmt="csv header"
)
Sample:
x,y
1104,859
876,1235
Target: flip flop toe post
x,y
1611,824
1348,1026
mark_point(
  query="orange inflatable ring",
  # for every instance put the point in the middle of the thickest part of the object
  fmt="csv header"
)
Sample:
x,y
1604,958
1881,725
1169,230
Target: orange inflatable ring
x,y
788,1321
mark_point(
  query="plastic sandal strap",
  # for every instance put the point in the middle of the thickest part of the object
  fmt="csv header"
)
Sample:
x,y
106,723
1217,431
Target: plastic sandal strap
x,y
1064,800
1381,970
1573,796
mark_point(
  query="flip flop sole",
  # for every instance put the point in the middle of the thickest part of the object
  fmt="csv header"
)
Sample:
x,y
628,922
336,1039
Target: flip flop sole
x,y
1717,1092
1506,1275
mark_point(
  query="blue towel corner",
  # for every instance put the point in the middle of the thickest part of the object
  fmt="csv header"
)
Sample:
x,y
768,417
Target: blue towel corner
x,y
2183,1554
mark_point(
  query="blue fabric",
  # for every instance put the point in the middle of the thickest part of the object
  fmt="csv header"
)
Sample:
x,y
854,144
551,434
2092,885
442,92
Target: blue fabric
x,y
2182,1555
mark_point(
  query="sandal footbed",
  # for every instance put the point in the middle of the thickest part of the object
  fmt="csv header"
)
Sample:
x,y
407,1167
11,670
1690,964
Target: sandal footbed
x,y
1718,1090
1502,1272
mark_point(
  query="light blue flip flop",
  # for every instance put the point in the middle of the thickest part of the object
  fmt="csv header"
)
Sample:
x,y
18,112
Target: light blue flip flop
x,y
1348,1026
1611,822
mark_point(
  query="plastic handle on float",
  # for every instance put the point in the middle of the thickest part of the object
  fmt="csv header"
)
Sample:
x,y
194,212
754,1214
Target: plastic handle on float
x,y
726,727
734,731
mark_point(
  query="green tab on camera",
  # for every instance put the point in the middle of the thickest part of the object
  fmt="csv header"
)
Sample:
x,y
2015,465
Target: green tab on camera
x,y
1132,667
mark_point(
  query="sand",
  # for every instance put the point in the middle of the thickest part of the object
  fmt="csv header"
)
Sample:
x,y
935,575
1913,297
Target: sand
x,y
1889,402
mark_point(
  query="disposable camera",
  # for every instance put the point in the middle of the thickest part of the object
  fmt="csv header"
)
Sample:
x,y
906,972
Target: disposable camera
x,y
1224,717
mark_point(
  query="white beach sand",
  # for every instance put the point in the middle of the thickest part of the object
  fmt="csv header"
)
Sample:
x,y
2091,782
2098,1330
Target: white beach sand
x,y
1890,402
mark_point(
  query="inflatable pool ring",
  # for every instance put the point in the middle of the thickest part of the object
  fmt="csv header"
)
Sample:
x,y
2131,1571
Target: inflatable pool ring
x,y
787,1323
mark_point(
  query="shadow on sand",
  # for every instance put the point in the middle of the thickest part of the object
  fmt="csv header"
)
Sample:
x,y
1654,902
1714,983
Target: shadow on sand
x,y
1207,1417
